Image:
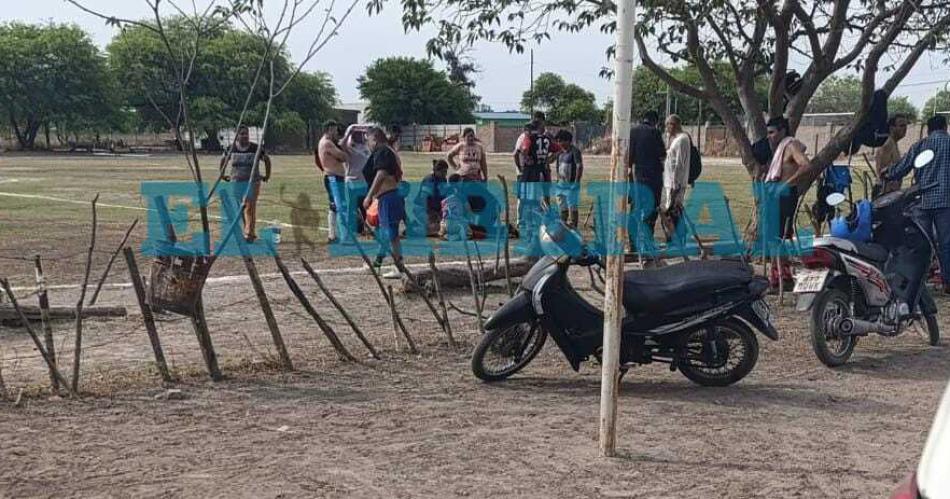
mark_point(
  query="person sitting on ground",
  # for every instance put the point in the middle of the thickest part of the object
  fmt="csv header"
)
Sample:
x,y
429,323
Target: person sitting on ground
x,y
433,191
454,224
384,188
474,164
570,169
242,157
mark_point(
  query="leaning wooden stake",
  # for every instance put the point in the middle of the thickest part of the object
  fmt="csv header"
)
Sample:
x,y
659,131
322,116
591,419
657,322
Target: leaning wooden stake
x,y
278,339
472,280
504,187
45,318
422,292
77,351
349,320
36,340
105,273
389,302
302,298
200,325
147,316
441,298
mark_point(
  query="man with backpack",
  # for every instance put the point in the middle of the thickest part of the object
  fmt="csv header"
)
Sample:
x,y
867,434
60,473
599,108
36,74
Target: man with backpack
x,y
676,174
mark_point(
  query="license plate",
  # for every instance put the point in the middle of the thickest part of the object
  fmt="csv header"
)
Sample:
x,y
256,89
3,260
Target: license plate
x,y
810,281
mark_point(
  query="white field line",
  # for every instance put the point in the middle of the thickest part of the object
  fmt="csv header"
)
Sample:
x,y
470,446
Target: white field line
x,y
243,277
120,206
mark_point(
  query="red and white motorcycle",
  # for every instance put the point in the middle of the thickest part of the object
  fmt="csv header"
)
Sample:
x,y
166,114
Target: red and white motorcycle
x,y
854,289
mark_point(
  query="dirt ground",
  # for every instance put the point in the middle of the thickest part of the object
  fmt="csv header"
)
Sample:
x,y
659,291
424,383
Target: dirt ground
x,y
423,426
407,425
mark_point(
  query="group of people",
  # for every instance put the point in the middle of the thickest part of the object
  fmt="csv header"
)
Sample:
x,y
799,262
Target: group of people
x,y
662,168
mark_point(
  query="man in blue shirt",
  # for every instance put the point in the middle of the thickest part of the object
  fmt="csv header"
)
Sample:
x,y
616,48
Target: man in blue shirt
x,y
935,202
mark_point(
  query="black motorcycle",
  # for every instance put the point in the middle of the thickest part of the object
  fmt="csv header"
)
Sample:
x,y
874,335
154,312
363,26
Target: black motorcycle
x,y
855,289
696,316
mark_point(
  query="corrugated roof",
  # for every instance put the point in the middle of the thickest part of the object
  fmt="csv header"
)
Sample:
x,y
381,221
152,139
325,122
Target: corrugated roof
x,y
502,116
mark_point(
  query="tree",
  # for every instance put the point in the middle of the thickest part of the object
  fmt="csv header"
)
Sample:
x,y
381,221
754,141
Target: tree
x,y
405,90
562,102
461,70
52,74
842,94
310,96
228,62
649,94
755,37
939,103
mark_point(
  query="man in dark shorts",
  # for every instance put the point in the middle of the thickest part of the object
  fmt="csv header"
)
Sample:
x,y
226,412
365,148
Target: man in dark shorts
x,y
789,163
384,173
241,156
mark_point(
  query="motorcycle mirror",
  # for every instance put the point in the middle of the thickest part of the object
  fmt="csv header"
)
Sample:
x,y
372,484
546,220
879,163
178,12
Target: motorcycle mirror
x,y
835,198
924,158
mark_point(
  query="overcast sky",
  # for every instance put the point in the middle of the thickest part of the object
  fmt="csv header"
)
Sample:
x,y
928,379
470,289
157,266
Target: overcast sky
x,y
504,76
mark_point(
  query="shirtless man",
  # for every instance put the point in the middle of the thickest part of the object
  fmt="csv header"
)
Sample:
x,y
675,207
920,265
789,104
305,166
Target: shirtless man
x,y
332,160
789,163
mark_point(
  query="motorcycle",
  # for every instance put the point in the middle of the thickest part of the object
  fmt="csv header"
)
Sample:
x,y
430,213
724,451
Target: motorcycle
x,y
854,288
696,316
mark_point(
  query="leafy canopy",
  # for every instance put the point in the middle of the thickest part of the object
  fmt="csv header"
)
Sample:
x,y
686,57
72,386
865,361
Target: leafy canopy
x,y
411,91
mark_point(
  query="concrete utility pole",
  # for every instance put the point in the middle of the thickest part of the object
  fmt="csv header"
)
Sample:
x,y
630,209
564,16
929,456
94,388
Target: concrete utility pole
x,y
616,222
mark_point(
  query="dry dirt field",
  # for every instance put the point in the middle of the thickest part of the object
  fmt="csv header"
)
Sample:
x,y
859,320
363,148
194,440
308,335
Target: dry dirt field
x,y
413,425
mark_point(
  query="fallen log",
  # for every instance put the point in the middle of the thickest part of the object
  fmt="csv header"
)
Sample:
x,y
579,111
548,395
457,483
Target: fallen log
x,y
457,277
34,313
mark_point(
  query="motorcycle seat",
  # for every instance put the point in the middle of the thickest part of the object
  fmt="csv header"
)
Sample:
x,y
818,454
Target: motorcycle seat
x,y
668,288
872,251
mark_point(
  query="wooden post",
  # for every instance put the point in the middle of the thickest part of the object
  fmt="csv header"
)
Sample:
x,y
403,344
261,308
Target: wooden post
x,y
45,319
105,273
613,299
473,282
441,298
349,320
422,293
77,351
382,289
147,316
282,355
36,340
391,301
302,298
504,187
204,341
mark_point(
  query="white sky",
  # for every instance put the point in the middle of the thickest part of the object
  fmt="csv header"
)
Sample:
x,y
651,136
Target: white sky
x,y
576,57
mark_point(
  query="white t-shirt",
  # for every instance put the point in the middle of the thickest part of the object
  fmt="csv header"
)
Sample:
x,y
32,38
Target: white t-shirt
x,y
355,161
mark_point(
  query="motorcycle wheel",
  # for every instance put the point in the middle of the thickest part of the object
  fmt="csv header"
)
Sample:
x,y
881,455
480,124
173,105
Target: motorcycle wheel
x,y
933,329
737,353
832,350
504,352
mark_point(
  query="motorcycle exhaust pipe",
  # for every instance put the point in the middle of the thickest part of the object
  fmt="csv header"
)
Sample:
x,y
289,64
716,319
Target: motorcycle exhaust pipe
x,y
858,327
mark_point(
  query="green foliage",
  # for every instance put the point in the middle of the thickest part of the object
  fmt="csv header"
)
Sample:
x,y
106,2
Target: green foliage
x,y
939,103
842,94
53,74
229,62
649,94
410,91
562,102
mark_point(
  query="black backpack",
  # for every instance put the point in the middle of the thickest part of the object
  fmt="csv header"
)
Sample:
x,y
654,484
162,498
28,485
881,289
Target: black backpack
x,y
695,163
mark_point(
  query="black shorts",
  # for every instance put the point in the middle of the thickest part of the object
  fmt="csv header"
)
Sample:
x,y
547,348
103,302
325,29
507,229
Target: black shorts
x,y
787,205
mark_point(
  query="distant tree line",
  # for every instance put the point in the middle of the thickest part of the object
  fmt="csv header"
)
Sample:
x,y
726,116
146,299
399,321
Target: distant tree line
x,y
57,84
